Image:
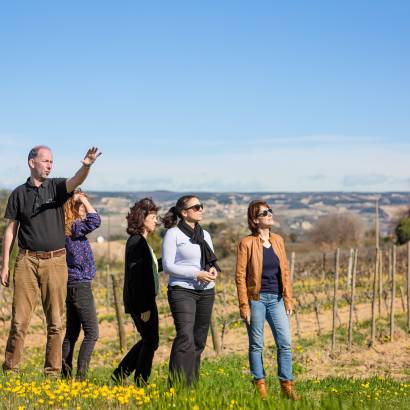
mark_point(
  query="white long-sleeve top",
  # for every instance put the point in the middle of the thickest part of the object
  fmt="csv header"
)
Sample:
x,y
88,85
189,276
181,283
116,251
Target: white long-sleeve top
x,y
181,259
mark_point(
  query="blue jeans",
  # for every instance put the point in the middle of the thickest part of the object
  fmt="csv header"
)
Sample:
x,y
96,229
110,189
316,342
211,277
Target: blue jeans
x,y
270,307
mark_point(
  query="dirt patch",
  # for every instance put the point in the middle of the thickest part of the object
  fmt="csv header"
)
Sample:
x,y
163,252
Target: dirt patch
x,y
116,250
384,360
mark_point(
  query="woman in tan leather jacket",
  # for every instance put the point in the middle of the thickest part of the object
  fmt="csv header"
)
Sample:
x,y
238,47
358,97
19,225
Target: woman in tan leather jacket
x,y
265,293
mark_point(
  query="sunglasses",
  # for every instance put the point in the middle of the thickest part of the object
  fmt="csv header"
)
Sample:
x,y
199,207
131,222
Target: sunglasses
x,y
196,207
266,212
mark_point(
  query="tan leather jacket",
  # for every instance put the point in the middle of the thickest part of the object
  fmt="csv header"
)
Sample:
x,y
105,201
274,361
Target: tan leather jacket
x,y
249,270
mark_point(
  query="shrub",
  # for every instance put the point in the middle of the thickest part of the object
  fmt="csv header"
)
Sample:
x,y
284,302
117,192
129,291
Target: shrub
x,y
335,230
403,230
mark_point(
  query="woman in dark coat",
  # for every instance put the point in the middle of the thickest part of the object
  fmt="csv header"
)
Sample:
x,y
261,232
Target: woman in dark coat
x,y
140,289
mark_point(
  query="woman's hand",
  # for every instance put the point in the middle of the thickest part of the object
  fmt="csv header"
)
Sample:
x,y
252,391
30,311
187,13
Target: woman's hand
x,y
246,316
204,276
84,200
80,197
289,312
247,319
145,316
5,276
213,271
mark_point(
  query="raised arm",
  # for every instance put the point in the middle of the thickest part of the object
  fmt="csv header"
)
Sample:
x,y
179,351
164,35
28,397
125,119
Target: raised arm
x,y
87,204
8,241
85,226
91,222
80,176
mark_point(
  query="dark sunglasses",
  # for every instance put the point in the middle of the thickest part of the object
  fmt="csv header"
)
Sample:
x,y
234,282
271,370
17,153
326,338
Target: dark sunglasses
x,y
266,212
196,207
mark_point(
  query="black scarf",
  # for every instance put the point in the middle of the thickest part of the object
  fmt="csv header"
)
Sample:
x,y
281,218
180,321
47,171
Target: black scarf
x,y
208,258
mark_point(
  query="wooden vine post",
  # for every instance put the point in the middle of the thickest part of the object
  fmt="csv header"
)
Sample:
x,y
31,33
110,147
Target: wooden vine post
x,y
118,313
352,297
393,292
335,286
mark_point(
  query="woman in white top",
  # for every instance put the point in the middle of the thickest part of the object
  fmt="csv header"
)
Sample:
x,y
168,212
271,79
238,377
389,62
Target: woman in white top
x,y
189,259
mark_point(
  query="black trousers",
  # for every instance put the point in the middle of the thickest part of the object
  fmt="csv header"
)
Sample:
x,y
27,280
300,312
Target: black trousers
x,y
81,312
191,310
141,355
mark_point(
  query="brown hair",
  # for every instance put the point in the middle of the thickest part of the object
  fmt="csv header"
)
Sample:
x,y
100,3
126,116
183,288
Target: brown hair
x,y
253,211
71,213
170,219
137,214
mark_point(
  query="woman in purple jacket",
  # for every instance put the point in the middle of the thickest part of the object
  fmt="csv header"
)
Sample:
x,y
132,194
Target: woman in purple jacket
x,y
80,219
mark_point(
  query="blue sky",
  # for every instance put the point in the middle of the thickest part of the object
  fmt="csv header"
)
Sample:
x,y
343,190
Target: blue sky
x,y
211,95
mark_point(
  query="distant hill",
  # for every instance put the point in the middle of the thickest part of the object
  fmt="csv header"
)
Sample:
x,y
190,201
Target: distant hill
x,y
294,211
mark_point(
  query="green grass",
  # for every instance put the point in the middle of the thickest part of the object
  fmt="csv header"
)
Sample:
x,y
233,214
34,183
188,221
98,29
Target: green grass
x,y
225,384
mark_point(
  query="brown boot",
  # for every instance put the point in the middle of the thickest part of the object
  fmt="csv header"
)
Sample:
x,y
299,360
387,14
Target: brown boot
x,y
261,387
288,389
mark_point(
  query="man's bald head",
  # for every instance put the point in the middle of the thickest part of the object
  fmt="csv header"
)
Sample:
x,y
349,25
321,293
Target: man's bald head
x,y
35,150
40,162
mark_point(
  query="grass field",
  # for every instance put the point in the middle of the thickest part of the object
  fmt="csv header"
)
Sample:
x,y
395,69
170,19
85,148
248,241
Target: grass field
x,y
376,377
225,384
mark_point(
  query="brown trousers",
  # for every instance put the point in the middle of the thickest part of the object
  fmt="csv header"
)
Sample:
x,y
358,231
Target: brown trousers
x,y
31,276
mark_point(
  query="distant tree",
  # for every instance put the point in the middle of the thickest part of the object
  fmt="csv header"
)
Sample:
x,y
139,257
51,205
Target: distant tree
x,y
387,239
337,230
213,228
225,237
293,236
403,230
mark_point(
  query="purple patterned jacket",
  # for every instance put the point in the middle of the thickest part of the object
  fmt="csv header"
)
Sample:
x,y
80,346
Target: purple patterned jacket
x,y
80,259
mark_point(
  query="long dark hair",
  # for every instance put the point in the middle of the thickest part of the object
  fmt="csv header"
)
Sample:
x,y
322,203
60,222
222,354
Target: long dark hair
x,y
138,213
170,219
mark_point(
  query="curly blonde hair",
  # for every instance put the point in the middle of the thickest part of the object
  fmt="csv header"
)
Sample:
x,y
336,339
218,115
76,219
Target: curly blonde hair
x,y
71,214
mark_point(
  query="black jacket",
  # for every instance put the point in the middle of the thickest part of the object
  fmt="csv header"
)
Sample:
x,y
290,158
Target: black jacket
x,y
139,284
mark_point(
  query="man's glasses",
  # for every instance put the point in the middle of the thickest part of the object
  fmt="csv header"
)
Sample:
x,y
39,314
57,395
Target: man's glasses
x,y
266,212
196,207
